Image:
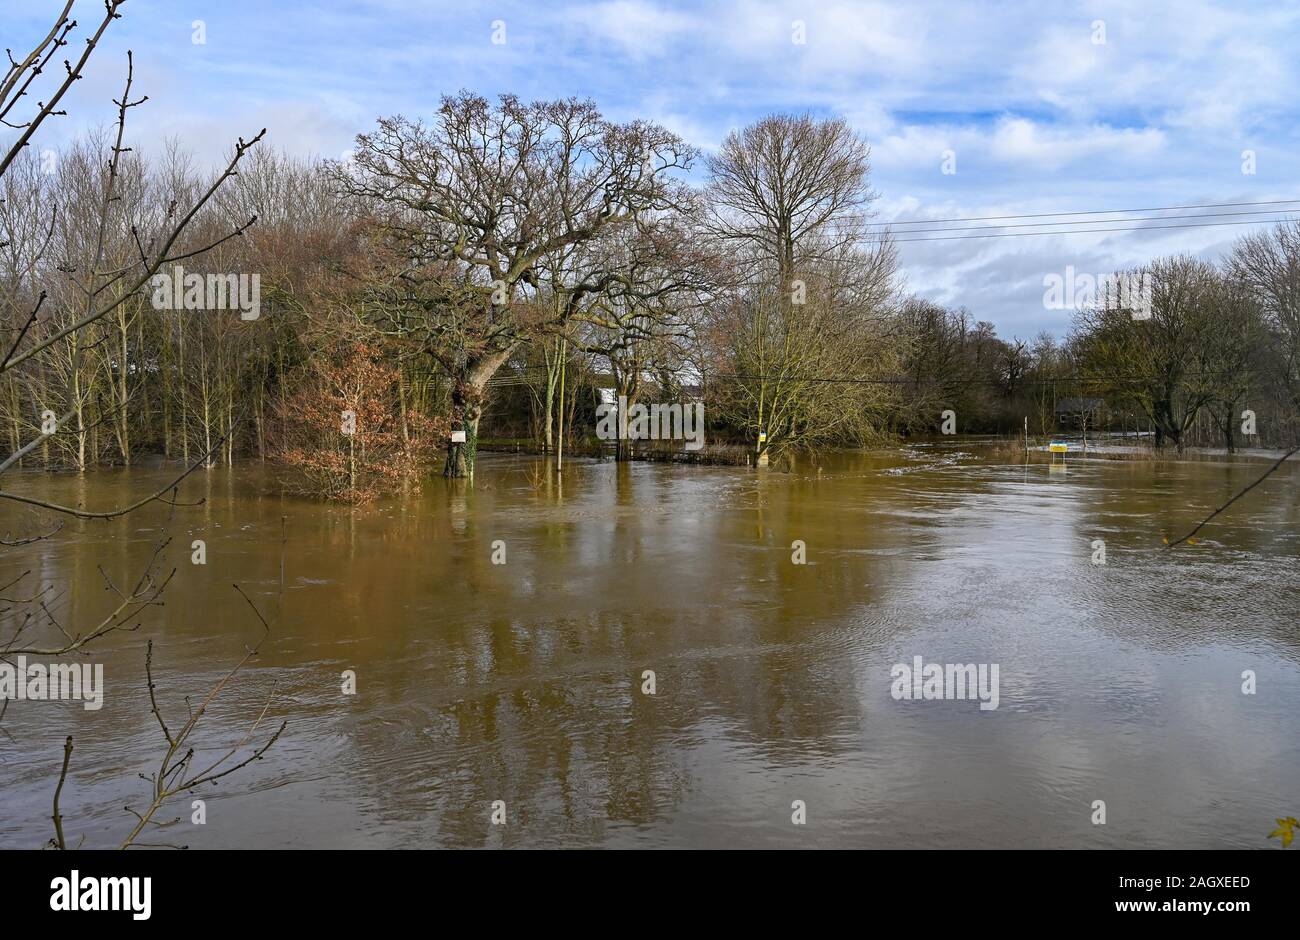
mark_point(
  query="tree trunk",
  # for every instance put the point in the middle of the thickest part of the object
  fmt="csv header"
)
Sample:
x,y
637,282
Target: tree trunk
x,y
552,377
627,390
401,407
467,394
124,425
465,416
182,382
1166,428
548,440
80,412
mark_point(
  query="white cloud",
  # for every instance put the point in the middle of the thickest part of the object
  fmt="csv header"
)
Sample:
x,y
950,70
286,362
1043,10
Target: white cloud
x,y
1042,118
634,27
1025,143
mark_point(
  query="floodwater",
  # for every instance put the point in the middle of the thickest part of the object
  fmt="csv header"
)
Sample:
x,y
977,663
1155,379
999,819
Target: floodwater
x,y
522,682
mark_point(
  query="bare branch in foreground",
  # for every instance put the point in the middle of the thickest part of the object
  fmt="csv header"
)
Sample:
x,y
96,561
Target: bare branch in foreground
x,y
1267,473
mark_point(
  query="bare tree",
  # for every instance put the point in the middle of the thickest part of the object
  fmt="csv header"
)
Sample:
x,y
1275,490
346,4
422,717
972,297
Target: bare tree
x,y
643,317
812,370
792,189
1158,362
88,259
479,200
97,284
1268,264
790,194
1229,361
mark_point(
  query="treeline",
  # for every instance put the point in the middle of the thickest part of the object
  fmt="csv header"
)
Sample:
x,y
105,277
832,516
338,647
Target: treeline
x,y
493,271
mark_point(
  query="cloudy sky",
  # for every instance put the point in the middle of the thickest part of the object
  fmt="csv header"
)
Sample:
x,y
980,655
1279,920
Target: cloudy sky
x,y
1038,106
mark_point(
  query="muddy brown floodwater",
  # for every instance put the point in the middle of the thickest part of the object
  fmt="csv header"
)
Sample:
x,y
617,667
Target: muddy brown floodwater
x,y
523,682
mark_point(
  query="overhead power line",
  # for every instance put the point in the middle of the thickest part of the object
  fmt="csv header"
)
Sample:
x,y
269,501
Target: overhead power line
x,y
1047,215
1085,231
1141,218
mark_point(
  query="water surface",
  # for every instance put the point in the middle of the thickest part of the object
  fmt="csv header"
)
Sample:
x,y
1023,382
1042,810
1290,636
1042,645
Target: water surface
x,y
522,682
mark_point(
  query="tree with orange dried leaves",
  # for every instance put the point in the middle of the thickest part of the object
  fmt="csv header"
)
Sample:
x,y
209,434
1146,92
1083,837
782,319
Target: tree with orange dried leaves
x,y
345,437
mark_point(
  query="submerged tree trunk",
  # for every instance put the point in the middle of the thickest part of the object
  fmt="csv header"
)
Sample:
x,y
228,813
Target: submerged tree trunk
x,y
1167,429
123,425
467,395
466,412
552,378
627,389
1224,424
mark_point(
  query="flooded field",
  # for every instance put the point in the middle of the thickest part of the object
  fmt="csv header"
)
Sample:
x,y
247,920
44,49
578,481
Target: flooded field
x,y
523,682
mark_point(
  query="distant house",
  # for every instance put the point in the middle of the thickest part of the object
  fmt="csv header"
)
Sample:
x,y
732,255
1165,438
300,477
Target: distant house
x,y
1076,412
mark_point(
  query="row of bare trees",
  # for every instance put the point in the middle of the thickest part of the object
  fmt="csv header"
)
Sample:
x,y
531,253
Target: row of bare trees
x,y
1221,342
499,239
543,247
147,378
82,234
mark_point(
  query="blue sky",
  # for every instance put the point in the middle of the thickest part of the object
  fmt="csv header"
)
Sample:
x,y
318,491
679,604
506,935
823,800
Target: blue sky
x,y
1041,116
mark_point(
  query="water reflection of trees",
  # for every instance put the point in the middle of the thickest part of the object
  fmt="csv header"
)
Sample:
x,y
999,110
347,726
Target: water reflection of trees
x,y
527,685
521,682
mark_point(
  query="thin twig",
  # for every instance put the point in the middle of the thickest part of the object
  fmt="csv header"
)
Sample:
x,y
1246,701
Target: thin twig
x,y
63,775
